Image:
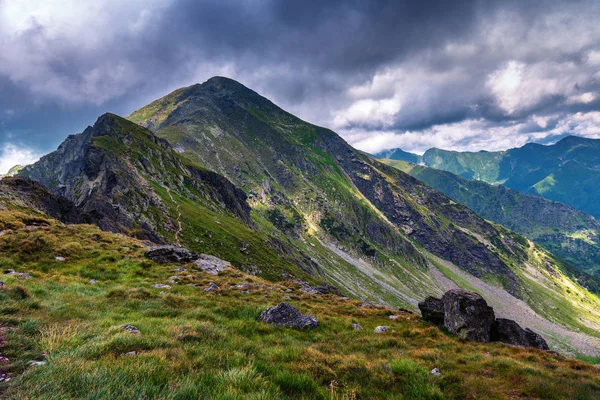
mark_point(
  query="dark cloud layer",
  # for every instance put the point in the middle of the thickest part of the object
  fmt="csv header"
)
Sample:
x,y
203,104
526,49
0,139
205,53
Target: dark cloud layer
x,y
463,74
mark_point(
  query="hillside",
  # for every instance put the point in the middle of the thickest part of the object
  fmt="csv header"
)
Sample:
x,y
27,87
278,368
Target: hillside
x,y
317,210
567,172
196,344
568,233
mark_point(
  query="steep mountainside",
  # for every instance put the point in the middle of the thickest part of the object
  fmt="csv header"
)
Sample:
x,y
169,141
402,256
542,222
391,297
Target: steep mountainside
x,y
320,210
132,182
393,231
568,171
571,234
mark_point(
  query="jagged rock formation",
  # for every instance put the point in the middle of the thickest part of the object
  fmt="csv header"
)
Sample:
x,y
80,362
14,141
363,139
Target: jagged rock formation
x,y
25,192
112,171
468,316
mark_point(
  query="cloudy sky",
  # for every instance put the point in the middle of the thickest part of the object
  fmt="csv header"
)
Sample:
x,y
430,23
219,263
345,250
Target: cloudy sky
x,y
464,75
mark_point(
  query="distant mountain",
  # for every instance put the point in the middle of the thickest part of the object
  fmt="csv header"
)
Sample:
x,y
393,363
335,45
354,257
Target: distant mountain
x,y
221,170
567,232
568,171
399,154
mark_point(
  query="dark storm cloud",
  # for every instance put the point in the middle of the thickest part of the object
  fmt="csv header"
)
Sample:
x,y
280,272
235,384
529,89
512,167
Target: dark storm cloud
x,y
373,70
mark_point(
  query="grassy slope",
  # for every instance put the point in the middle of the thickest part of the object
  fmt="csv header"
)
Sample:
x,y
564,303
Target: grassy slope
x,y
195,344
569,233
481,165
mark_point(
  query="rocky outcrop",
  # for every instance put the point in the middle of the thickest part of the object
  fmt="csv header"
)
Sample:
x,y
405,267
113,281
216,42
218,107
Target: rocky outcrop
x,y
432,310
26,192
210,264
286,315
111,171
170,254
467,315
509,332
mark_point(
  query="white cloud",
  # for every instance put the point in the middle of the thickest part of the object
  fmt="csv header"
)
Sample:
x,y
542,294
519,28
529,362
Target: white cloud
x,y
11,155
57,48
475,135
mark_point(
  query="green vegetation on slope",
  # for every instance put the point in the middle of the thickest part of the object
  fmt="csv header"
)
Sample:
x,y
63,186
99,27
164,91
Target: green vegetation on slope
x,y
569,233
199,345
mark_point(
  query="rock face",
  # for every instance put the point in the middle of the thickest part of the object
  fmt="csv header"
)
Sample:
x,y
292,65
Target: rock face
x,y
509,332
210,264
170,254
286,315
106,170
432,310
467,315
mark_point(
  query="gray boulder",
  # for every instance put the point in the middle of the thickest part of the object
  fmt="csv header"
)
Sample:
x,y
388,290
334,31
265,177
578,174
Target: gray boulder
x,y
210,264
381,329
467,315
131,329
170,254
286,315
509,332
432,310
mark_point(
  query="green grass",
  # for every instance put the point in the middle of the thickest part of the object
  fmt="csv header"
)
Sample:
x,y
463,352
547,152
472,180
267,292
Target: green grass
x,y
198,345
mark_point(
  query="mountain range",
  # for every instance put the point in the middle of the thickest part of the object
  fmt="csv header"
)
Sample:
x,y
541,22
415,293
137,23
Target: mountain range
x,y
567,171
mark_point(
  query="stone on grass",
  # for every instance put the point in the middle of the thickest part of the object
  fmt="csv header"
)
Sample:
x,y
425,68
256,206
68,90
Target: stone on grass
x,y
131,329
357,327
170,254
210,264
381,329
436,372
93,281
211,287
467,315
283,314
161,286
38,363
394,317
432,310
59,258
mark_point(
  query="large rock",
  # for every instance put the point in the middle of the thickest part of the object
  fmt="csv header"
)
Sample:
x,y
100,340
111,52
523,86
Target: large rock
x,y
509,332
210,264
467,315
432,310
284,314
170,254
